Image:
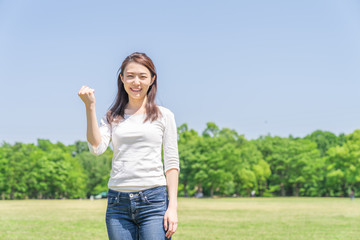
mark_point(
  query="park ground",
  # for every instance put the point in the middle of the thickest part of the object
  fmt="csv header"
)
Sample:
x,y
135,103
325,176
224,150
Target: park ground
x,y
207,218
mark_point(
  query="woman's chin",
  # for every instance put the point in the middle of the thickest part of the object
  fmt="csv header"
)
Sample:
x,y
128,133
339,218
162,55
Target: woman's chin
x,y
136,96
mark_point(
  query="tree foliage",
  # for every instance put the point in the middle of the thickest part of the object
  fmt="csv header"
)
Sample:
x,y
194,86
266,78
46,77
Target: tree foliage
x,y
215,162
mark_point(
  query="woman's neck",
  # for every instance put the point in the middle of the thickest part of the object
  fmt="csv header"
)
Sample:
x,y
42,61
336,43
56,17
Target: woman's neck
x,y
135,105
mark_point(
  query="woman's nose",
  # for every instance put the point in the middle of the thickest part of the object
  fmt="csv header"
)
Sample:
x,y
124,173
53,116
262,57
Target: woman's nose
x,y
136,80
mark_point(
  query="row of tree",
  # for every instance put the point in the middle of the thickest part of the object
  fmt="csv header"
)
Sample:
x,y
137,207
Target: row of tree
x,y
215,162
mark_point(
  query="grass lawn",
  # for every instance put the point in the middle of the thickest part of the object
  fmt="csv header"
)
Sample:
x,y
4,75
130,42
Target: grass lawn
x,y
222,218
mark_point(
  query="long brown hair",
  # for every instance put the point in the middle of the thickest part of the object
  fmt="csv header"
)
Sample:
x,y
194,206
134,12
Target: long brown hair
x,y
118,107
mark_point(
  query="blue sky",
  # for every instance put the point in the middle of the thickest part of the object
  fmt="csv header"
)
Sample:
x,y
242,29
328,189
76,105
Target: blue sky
x,y
259,67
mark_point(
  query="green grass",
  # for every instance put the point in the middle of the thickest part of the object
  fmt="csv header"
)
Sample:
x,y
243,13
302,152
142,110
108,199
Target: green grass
x,y
223,218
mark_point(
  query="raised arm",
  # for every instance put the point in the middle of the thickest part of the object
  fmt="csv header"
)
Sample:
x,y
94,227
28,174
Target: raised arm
x,y
98,138
93,135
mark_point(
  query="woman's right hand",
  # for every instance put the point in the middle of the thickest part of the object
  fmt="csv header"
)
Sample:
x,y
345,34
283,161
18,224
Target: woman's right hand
x,y
87,95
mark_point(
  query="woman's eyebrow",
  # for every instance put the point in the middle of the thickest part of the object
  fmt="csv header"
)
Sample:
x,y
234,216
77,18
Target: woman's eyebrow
x,y
135,73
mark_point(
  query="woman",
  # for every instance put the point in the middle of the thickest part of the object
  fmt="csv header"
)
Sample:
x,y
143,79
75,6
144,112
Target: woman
x,y
139,206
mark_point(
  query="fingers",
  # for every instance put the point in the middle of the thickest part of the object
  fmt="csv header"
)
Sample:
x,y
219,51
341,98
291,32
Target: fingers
x,y
87,95
85,90
82,89
172,229
165,222
170,232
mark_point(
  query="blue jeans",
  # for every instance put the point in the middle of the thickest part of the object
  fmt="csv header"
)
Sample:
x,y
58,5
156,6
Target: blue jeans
x,y
137,215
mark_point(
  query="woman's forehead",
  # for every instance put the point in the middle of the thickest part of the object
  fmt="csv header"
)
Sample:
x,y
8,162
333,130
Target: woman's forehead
x,y
136,68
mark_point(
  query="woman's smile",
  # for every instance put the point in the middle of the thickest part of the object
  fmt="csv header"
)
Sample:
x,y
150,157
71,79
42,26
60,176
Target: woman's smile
x,y
136,89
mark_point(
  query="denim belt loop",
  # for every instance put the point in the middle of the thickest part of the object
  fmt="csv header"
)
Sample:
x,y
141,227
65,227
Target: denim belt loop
x,y
142,196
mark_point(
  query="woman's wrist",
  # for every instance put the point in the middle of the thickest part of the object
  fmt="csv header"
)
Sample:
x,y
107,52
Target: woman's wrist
x,y
90,106
172,205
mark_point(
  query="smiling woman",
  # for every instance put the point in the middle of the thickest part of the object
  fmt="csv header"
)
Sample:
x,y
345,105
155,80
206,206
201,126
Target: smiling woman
x,y
137,80
137,87
139,206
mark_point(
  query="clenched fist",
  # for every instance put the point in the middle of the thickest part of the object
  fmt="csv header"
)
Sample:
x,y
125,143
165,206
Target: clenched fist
x,y
87,95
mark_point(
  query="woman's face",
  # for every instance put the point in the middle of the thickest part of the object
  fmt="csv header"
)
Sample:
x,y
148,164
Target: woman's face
x,y
136,80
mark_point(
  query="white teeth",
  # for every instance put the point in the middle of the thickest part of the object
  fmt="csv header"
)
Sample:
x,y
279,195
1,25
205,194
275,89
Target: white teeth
x,y
136,89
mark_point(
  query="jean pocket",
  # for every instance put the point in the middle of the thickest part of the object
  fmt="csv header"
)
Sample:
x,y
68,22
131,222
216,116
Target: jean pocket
x,y
112,200
158,198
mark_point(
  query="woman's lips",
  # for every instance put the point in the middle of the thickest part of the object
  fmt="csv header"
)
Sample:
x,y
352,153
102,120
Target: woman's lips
x,y
136,90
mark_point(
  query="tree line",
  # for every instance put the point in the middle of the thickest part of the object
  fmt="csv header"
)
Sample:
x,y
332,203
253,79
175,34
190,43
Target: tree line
x,y
215,162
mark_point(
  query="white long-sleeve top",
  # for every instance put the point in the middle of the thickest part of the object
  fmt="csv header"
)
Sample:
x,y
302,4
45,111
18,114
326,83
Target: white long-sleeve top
x,y
136,161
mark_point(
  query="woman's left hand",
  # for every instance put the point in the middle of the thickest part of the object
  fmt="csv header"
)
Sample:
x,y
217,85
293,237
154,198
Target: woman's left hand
x,y
170,221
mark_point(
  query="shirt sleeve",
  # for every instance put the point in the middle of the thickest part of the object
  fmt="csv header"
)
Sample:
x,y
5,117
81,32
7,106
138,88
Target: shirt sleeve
x,y
105,132
170,144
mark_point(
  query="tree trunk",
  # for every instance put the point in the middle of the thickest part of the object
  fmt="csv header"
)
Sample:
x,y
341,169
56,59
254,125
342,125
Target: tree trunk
x,y
282,189
185,190
296,191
